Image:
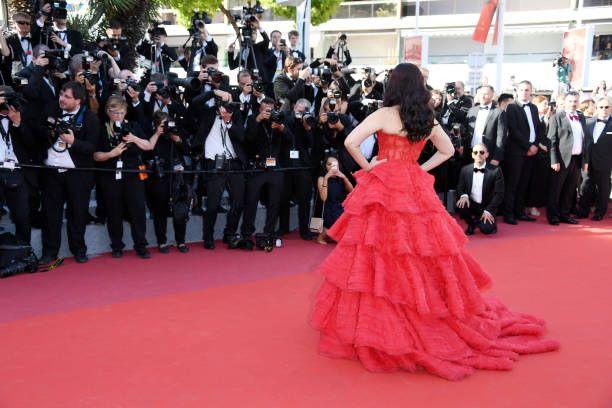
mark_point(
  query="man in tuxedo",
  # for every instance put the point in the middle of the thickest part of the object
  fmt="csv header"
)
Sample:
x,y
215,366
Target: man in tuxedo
x,y
157,51
596,183
205,45
294,43
520,149
20,46
254,57
481,192
289,86
569,151
247,96
486,124
223,135
116,45
71,149
61,36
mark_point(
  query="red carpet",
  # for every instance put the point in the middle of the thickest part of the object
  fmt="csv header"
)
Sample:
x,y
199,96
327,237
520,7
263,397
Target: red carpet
x,y
229,328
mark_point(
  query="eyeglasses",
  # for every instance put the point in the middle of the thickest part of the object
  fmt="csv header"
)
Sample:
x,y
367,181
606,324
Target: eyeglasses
x,y
24,23
251,84
117,112
481,152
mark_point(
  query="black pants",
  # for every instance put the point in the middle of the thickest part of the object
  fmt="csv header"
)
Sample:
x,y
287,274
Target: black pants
x,y
15,192
471,215
215,185
595,188
298,186
125,196
160,192
72,188
273,181
517,173
563,186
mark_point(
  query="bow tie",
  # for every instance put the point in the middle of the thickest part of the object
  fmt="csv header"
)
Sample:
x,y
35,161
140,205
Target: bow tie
x,y
484,108
574,117
28,39
476,170
3,117
602,121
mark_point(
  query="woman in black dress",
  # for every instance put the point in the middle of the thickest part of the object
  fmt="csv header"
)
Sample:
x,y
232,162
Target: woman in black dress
x,y
333,188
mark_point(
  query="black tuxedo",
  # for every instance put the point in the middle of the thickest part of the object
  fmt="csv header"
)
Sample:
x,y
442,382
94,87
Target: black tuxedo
x,y
252,106
288,91
74,38
167,55
494,135
17,54
565,181
596,182
205,48
216,182
518,167
262,57
492,195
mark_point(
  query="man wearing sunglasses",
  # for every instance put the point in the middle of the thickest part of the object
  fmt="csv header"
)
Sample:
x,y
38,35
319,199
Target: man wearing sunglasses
x,y
20,47
290,85
596,180
481,192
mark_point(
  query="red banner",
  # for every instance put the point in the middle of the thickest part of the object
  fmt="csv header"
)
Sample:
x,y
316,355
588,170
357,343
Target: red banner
x,y
484,22
413,50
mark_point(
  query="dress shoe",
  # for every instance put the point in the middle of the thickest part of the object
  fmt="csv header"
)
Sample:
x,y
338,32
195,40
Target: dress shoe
x,y
510,220
183,249
568,220
553,221
469,230
597,217
525,217
164,249
81,258
117,253
307,236
143,253
47,259
209,244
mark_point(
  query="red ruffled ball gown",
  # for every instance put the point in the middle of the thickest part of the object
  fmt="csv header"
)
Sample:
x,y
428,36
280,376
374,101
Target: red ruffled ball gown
x,y
401,292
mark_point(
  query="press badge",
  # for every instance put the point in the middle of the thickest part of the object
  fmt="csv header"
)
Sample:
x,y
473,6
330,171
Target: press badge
x,y
119,166
271,162
294,154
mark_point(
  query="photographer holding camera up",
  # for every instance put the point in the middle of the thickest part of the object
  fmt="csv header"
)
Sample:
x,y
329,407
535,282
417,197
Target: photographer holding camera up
x,y
222,134
157,51
203,43
73,138
253,56
115,44
250,94
266,133
57,35
339,51
289,86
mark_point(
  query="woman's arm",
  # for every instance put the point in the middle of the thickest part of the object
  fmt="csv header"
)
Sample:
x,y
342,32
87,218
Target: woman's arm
x,y
116,152
369,126
445,149
322,187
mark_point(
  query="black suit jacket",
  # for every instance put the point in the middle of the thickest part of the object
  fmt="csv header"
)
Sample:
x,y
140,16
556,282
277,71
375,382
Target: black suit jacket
x,y
236,133
168,55
562,139
495,132
262,57
600,153
517,142
288,91
492,186
74,38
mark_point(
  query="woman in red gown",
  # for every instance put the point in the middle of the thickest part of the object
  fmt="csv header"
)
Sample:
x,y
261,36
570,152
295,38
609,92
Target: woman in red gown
x,y
400,291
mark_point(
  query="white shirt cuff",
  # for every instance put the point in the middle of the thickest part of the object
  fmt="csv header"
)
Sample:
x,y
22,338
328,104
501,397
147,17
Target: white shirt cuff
x,y
67,47
39,23
485,211
464,195
208,38
135,103
147,96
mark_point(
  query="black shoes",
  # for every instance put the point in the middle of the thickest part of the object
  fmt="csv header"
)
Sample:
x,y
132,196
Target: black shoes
x,y
568,220
553,221
597,217
47,260
183,249
117,253
81,258
209,244
307,236
510,220
469,230
525,217
164,249
143,253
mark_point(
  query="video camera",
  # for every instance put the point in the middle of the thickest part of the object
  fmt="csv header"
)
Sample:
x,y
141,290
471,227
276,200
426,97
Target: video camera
x,y
248,16
198,20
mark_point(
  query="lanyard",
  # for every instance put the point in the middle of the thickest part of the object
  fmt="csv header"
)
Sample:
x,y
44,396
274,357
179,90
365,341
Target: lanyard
x,y
7,139
223,130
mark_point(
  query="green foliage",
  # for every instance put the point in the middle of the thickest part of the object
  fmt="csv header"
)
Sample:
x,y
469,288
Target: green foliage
x,y
321,10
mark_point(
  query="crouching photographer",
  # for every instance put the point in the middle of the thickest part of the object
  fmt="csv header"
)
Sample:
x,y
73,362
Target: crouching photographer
x,y
265,134
73,137
170,195
15,144
120,147
295,153
222,134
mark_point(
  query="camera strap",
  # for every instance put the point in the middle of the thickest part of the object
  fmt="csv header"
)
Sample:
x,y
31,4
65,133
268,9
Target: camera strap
x,y
224,137
7,140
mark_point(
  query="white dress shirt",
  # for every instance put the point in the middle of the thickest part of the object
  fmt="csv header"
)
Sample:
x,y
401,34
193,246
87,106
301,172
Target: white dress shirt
x,y
481,122
26,46
6,147
577,133
598,130
477,181
532,132
214,141
62,159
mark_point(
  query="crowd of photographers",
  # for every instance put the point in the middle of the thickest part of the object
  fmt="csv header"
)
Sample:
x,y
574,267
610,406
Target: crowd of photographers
x,y
76,116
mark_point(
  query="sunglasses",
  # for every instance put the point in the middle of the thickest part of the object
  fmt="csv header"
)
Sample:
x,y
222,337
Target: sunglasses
x,y
481,152
23,23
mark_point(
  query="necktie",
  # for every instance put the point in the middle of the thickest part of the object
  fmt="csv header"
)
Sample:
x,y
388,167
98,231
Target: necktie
x,y
476,170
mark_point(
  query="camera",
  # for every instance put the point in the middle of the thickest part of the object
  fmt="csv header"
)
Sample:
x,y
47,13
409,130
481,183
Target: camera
x,y
368,83
120,130
332,118
258,85
13,99
58,60
307,117
57,127
198,20
450,88
277,116
324,73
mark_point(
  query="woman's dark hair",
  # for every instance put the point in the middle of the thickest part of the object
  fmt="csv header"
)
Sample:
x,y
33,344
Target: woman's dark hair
x,y
324,163
406,88
159,117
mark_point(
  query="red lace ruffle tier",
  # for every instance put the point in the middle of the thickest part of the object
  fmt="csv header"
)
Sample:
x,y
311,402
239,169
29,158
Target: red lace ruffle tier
x,y
400,292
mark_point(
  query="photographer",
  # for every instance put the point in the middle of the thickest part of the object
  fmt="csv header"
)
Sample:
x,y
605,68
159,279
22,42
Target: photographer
x,y
70,148
204,44
126,86
265,133
44,82
334,128
57,36
365,100
157,51
16,144
278,52
115,44
253,56
295,153
168,151
339,51
222,134
214,83
20,47
290,85
158,96
456,105
250,95
120,147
